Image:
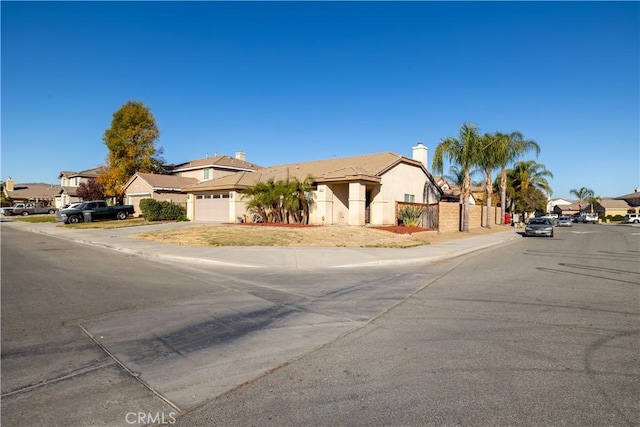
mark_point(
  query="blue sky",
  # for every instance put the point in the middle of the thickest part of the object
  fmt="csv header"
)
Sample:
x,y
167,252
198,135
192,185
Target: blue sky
x,y
296,81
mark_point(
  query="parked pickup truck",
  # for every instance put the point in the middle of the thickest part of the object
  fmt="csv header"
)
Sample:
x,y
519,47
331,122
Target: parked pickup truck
x,y
25,209
92,210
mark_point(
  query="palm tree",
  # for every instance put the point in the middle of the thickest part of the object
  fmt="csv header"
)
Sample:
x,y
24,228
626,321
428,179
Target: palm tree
x,y
592,201
491,147
509,147
529,177
582,193
464,152
456,177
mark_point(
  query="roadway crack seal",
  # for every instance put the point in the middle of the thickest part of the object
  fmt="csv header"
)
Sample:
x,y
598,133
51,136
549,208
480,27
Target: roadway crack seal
x,y
55,380
135,375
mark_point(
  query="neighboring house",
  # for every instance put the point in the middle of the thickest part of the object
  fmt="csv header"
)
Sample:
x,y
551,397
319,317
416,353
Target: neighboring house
x,y
168,187
451,192
158,187
560,203
355,190
30,192
213,167
632,199
610,206
566,210
69,183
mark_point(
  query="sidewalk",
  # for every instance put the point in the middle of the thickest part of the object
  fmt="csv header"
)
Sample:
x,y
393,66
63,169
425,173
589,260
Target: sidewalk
x,y
288,258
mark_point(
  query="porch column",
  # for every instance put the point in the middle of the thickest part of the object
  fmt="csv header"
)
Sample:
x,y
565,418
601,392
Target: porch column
x,y
324,210
236,207
357,196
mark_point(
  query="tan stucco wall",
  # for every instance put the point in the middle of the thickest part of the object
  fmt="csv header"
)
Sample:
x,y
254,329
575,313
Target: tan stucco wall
x,y
139,189
199,173
400,180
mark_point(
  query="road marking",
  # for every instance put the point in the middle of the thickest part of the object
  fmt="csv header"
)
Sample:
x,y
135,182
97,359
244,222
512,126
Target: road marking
x,y
584,232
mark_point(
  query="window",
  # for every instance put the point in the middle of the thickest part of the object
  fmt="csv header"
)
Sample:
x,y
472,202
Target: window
x,y
206,174
410,198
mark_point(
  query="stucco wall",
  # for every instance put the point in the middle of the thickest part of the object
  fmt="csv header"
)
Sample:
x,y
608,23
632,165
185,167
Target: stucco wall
x,y
199,173
398,181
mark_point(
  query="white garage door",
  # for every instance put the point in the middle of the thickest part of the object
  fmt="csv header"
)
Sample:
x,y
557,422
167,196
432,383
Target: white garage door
x,y
212,207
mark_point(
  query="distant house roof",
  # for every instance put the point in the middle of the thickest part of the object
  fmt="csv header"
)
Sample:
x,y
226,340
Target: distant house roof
x,y
632,198
368,167
218,162
162,182
560,202
89,173
33,191
612,203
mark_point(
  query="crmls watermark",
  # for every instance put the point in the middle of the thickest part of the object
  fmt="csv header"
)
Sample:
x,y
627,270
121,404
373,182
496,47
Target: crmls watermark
x,y
148,418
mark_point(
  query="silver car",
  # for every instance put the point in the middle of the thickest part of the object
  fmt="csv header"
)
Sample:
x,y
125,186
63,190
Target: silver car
x,y
565,222
539,227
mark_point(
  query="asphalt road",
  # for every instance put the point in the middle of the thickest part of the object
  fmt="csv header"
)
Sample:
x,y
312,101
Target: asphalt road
x,y
538,331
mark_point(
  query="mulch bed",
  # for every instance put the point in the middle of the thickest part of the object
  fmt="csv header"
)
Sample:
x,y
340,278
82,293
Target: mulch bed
x,y
401,229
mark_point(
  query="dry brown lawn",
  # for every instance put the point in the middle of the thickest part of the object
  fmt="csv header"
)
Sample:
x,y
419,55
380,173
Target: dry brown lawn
x,y
326,236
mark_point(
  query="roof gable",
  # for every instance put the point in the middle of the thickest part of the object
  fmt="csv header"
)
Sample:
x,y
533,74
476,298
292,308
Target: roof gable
x,y
166,182
221,162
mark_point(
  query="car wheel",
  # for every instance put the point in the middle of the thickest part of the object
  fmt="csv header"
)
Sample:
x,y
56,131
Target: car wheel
x,y
636,221
121,215
24,213
51,211
74,219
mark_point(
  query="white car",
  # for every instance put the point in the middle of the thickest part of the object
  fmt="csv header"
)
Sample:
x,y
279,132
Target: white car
x,y
632,218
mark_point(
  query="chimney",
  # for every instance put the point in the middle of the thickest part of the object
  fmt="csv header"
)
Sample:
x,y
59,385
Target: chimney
x,y
8,185
420,154
240,155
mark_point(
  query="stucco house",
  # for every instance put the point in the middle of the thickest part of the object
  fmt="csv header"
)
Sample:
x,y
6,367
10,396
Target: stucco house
x,y
158,187
632,199
354,190
69,183
29,192
169,187
610,206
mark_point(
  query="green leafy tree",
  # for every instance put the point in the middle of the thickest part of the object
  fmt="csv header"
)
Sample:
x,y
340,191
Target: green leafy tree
x,y
509,148
582,194
131,142
464,152
529,185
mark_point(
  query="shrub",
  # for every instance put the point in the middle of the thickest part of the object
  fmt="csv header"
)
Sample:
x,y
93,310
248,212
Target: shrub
x,y
410,215
152,210
172,211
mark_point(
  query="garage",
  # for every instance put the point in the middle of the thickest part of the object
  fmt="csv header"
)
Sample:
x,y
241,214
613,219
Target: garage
x,y
212,207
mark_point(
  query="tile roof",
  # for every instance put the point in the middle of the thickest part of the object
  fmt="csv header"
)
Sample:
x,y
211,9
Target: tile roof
x,y
611,203
366,167
223,161
34,191
163,181
89,173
